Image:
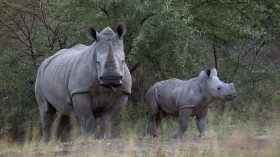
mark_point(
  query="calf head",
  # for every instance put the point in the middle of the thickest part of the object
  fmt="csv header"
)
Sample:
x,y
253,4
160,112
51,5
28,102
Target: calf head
x,y
218,89
109,55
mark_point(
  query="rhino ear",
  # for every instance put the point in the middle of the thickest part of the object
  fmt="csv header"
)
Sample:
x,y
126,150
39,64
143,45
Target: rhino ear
x,y
92,34
231,84
121,30
201,74
214,72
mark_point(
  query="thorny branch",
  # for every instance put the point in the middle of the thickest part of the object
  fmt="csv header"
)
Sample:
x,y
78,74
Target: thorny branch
x,y
251,48
106,11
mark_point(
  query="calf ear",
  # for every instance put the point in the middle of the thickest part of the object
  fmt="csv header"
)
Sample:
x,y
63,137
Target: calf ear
x,y
92,34
121,30
214,72
201,74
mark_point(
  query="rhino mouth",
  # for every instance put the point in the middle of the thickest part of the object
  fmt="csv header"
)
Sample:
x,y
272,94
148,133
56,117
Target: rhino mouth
x,y
229,97
111,81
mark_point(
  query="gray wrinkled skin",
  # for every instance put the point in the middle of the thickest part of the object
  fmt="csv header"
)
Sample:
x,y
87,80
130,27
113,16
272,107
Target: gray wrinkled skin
x,y
89,81
186,98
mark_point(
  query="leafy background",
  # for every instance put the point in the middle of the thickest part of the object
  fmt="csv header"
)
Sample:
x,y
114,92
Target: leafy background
x,y
165,38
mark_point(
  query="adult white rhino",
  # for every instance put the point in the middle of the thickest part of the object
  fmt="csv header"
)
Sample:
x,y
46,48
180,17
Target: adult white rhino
x,y
186,98
90,81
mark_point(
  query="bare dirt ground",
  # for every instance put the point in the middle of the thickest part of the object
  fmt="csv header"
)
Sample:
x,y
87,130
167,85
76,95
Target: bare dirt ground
x,y
259,146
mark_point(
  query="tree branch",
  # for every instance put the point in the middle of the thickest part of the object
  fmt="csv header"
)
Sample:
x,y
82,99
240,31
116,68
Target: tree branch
x,y
215,56
134,67
248,51
106,11
146,18
45,23
258,50
16,24
15,34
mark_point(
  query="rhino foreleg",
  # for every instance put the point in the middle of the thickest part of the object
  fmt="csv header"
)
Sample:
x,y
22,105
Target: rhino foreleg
x,y
83,110
184,115
105,126
201,123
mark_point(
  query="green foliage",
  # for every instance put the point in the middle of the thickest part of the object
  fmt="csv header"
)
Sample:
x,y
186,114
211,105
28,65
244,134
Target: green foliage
x,y
17,111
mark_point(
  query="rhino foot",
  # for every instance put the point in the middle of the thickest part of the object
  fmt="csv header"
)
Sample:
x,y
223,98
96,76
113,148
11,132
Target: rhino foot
x,y
84,139
178,134
201,135
153,133
178,137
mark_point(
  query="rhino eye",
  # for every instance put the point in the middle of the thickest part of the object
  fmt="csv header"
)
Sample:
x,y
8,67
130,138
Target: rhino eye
x,y
219,88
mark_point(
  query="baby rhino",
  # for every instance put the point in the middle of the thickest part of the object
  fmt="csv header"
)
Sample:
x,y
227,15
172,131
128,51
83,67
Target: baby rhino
x,y
186,98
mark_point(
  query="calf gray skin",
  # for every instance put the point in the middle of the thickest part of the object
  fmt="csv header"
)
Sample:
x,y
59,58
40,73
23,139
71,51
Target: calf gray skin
x,y
89,81
186,98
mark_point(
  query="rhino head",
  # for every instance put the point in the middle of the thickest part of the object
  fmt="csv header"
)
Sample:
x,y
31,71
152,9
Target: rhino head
x,y
109,55
218,89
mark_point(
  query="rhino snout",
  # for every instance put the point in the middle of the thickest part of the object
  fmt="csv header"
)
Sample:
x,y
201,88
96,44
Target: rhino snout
x,y
231,96
108,80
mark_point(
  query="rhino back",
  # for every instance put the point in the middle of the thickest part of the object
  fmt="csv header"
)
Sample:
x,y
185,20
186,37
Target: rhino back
x,y
174,94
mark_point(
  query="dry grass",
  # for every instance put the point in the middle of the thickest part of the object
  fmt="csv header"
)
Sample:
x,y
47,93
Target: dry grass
x,y
226,136
241,146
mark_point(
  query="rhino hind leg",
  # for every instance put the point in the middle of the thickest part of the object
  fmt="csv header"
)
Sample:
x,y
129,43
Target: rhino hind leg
x,y
47,116
62,124
153,115
152,129
159,118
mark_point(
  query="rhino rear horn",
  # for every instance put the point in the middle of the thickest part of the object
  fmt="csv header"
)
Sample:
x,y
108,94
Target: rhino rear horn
x,y
92,34
121,30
